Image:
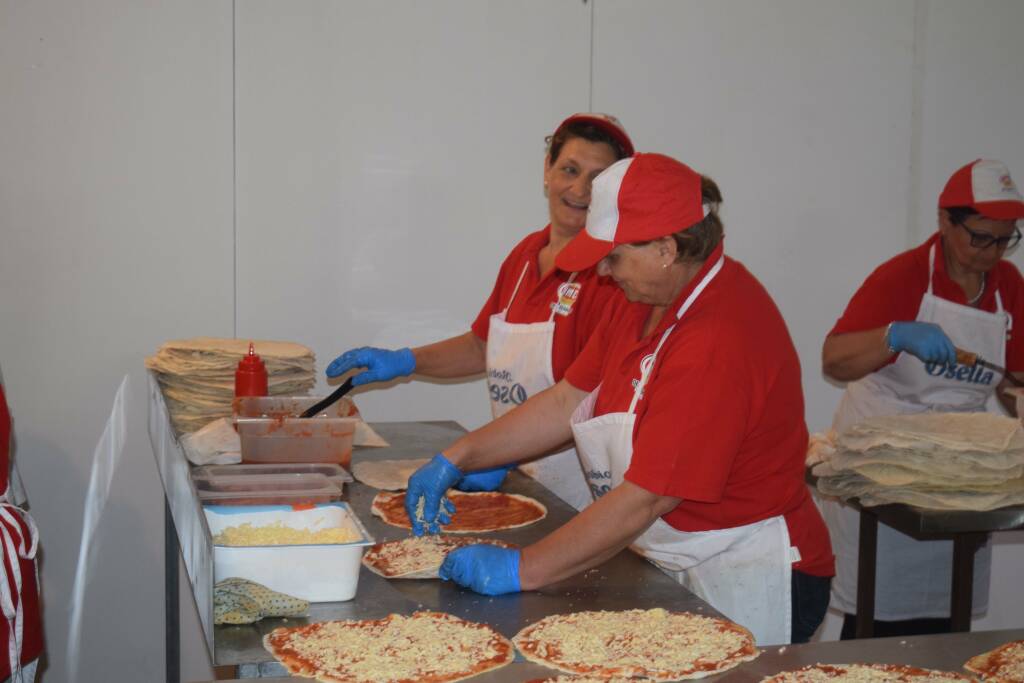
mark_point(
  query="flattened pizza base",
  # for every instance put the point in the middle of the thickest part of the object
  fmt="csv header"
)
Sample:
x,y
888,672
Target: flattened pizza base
x,y
417,557
656,644
1003,664
864,673
474,512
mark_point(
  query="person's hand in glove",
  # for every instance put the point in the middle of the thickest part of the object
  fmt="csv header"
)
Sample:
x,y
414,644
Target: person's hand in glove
x,y
381,364
427,487
483,480
487,569
927,341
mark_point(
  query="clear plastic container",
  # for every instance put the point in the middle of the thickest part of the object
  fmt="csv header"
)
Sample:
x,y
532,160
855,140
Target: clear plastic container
x,y
336,474
261,489
270,432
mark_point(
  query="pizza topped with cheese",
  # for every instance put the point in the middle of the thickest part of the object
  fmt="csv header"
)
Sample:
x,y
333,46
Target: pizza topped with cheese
x,y
426,647
474,512
656,644
582,679
417,557
865,673
1001,665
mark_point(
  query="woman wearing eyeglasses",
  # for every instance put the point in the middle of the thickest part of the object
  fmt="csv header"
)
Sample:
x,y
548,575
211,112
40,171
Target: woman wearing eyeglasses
x,y
896,346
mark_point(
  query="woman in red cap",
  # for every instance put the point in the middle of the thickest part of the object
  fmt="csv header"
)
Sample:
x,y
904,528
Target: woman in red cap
x,y
896,347
21,627
687,411
538,316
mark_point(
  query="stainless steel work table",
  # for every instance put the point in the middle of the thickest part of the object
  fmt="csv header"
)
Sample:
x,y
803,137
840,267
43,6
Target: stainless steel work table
x,y
624,582
946,652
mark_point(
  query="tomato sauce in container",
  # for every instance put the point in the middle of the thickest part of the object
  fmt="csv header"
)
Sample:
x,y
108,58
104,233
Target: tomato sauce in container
x,y
271,432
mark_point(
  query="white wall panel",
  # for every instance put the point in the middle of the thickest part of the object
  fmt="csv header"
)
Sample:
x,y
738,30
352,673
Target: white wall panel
x,y
115,216
389,156
800,110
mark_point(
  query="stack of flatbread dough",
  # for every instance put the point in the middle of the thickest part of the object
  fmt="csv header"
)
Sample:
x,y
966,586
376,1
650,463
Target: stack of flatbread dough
x,y
942,461
197,376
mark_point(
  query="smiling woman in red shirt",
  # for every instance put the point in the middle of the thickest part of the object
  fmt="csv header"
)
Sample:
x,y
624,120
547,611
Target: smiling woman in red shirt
x,y
896,346
538,317
687,411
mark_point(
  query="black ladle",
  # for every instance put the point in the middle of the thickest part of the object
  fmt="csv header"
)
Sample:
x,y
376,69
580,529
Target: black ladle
x,y
334,396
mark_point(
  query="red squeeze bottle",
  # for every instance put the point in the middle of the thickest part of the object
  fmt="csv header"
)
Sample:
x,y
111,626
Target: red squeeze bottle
x,y
251,375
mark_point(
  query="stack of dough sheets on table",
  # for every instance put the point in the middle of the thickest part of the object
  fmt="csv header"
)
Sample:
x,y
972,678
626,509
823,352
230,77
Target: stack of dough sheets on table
x,y
197,376
941,461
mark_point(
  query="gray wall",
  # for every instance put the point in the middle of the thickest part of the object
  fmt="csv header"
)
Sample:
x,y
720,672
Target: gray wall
x,y
340,173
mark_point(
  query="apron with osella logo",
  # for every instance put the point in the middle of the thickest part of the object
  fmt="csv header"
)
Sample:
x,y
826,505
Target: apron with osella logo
x,y
914,576
743,572
518,367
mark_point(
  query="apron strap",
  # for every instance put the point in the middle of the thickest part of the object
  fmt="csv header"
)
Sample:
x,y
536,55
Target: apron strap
x,y
516,290
648,366
931,267
999,299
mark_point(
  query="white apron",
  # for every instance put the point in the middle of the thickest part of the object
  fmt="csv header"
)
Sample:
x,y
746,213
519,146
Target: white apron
x,y
743,572
914,577
518,367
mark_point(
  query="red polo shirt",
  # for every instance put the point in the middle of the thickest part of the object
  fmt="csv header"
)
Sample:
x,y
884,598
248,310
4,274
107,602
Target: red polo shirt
x,y
721,422
894,290
536,295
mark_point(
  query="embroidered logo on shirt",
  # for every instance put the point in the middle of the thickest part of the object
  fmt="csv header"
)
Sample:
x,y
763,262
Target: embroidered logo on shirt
x,y
568,293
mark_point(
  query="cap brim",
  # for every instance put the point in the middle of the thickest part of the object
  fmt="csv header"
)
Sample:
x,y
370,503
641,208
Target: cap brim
x,y
1001,211
608,127
582,252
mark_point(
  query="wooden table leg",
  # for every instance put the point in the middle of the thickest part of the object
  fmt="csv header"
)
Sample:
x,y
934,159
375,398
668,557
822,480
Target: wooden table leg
x,y
964,548
867,553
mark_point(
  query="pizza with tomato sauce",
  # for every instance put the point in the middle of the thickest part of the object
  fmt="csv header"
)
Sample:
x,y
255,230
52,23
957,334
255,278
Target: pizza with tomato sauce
x,y
655,644
417,557
426,647
474,512
865,673
1001,665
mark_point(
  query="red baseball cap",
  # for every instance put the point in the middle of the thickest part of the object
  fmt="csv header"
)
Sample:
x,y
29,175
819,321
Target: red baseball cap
x,y
605,122
637,199
984,185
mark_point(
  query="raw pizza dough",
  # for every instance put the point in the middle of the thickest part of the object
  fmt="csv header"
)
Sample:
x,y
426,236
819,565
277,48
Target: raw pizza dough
x,y
474,512
865,673
1004,664
656,644
387,475
417,557
953,431
426,647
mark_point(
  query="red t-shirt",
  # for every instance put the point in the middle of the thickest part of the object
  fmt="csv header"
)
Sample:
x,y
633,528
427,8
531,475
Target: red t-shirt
x,y
721,422
536,295
32,643
893,292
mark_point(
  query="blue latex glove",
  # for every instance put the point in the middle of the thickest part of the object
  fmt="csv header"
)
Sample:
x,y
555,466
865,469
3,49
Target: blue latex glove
x,y
381,364
486,569
430,483
927,341
483,480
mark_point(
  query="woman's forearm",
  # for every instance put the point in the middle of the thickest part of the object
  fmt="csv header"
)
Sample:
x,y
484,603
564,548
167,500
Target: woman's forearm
x,y
599,532
460,356
850,356
535,427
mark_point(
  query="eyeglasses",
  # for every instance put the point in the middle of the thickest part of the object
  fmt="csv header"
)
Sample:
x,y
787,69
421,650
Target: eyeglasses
x,y
984,240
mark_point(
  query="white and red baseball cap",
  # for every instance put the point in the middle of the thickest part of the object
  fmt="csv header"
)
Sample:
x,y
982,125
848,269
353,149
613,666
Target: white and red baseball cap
x,y
638,199
984,185
605,122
